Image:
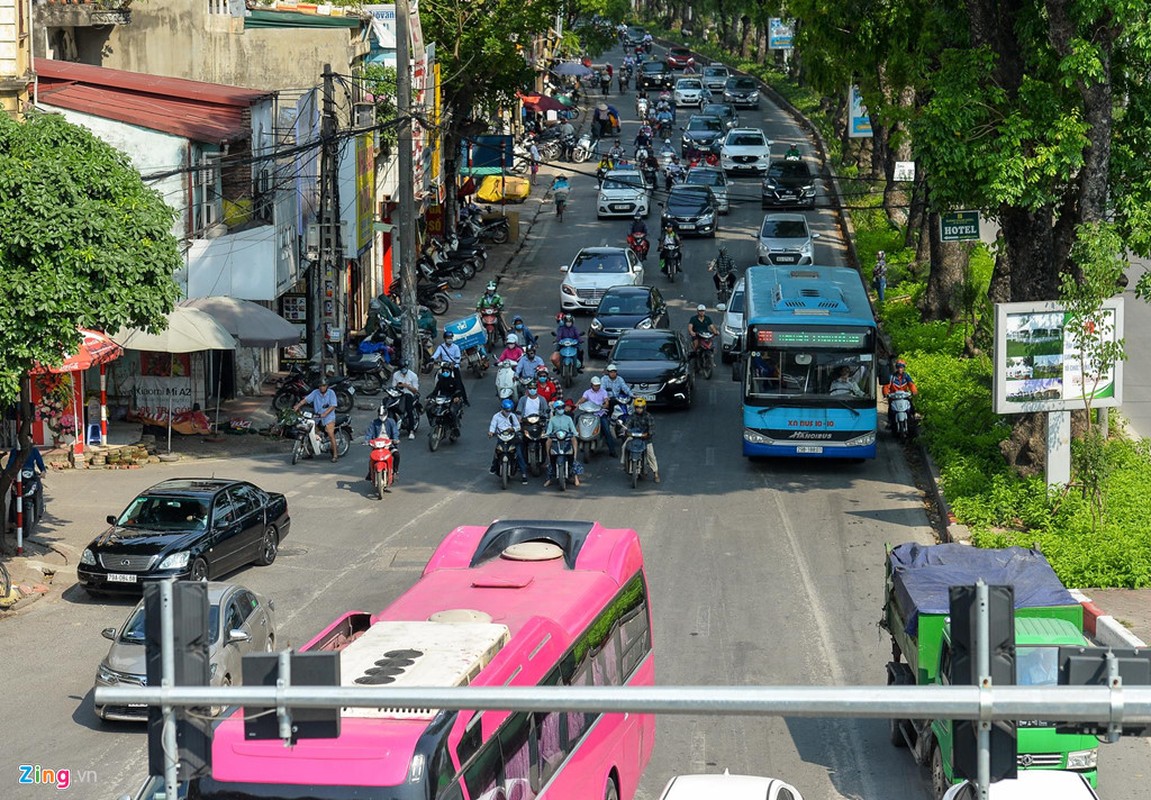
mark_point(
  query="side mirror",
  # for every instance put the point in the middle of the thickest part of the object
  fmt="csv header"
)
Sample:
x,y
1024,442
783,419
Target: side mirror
x,y
110,519
237,635
722,307
815,236
564,268
109,633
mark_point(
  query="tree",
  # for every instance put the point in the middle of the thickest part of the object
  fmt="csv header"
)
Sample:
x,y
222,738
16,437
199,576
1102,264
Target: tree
x,y
83,243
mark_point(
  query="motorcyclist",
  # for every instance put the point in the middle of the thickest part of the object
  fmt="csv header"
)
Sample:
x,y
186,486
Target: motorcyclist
x,y
528,364
900,381
638,225
605,166
384,424
643,138
533,403
723,269
512,350
407,382
35,464
674,172
547,387
527,338
449,384
597,395
700,323
502,420
648,42
567,139
323,402
641,421
668,241
448,351
617,153
664,118
559,421
567,330
491,299
793,153
615,386
629,62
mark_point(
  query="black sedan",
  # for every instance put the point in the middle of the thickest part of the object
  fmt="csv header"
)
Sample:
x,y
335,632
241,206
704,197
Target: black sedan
x,y
789,182
655,366
621,309
187,528
703,134
654,75
691,209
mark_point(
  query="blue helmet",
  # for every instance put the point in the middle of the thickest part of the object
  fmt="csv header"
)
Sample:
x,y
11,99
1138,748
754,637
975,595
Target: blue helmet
x,y
507,404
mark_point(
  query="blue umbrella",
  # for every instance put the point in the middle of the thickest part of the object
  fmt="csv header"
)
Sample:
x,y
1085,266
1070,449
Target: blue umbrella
x,y
571,68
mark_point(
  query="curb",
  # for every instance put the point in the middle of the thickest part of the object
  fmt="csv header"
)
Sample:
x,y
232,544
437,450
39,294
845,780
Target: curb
x,y
1103,627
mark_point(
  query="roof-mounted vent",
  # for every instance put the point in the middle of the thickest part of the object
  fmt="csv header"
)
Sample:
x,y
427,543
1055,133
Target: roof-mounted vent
x,y
809,298
533,551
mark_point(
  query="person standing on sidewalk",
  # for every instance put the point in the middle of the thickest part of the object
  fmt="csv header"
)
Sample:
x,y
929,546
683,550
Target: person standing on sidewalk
x,y
534,153
879,275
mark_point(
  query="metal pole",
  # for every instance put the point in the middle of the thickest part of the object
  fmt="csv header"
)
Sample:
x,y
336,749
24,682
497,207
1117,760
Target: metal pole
x,y
983,659
406,206
284,681
168,681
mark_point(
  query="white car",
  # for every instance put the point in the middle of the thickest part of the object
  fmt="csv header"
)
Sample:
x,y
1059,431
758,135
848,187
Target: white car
x,y
622,194
593,271
728,787
691,92
731,330
1049,784
745,150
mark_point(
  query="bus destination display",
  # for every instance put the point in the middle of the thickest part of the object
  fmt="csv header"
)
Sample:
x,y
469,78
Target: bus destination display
x,y
774,337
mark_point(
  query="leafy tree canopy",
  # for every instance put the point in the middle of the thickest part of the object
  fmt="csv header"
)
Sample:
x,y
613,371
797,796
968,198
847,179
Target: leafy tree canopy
x,y
82,243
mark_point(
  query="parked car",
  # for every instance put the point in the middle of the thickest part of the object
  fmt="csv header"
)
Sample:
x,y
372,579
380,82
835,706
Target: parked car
x,y
742,92
654,75
679,58
701,133
715,77
691,209
185,528
623,308
593,271
715,179
690,92
1049,784
239,622
789,183
622,194
731,329
655,365
728,787
786,239
725,111
745,150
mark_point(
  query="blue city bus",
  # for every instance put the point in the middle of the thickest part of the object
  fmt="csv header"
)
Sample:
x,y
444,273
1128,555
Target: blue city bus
x,y
807,368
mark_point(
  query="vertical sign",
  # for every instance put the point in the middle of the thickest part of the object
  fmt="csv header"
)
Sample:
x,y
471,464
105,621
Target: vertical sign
x,y
420,176
859,123
781,34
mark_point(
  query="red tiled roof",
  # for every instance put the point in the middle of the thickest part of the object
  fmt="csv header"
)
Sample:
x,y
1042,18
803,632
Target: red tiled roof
x,y
202,112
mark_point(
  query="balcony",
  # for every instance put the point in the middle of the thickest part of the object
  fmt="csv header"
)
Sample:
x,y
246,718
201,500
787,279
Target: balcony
x,y
82,13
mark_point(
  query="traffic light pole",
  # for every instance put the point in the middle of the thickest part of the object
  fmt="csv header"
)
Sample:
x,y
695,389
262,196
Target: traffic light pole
x,y
983,660
168,660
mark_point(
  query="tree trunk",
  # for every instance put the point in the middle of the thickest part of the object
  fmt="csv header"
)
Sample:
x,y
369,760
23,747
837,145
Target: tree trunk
x,y
1028,239
945,278
1026,449
23,441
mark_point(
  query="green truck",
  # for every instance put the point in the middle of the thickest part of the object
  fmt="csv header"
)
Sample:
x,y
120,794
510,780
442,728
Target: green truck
x,y
915,613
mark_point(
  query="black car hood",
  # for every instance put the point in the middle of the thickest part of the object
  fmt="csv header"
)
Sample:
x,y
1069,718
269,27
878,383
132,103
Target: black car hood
x,y
142,541
648,371
622,320
703,136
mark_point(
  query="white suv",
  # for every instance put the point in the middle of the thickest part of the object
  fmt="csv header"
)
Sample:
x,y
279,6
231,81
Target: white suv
x,y
745,150
731,330
622,194
593,271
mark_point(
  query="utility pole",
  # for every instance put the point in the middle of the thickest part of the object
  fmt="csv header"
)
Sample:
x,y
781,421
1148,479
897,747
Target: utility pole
x,y
324,286
406,206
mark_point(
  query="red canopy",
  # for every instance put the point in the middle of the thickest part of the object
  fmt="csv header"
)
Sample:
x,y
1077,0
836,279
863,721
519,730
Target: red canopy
x,y
541,102
95,348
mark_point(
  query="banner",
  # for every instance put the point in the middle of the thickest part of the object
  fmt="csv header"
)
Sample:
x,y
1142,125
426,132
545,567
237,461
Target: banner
x,y
859,123
153,393
781,34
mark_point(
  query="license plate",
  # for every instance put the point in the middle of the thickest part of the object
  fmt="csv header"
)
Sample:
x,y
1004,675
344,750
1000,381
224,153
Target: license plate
x,y
787,194
120,577
620,207
645,395
809,449
137,705
786,259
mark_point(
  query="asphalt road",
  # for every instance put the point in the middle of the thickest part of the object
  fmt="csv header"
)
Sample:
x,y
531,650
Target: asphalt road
x,y
761,573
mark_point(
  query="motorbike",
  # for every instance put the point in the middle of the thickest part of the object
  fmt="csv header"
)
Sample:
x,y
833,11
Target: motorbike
x,y
32,505
312,440
443,420
430,293
650,174
639,244
641,107
905,425
494,230
569,360
296,385
380,464
624,76
506,384
672,256
466,250
394,399
585,148
562,453
506,461
490,317
635,449
533,427
605,82
705,354
588,422
726,279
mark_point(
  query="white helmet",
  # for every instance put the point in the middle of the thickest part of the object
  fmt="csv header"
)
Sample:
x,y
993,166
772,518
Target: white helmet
x,y
513,339
701,307
382,411
612,368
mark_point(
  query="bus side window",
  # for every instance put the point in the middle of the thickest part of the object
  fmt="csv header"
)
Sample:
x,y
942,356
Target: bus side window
x,y
636,638
516,757
550,746
605,665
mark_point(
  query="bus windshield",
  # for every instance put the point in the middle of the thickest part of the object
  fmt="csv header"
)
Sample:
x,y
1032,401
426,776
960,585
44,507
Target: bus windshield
x,y
813,375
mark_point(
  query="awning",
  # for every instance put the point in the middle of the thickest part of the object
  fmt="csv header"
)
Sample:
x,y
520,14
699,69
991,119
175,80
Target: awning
x,y
251,323
95,348
541,102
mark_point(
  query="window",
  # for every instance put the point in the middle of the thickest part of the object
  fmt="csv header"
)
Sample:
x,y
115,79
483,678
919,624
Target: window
x,y
600,263
246,602
226,511
945,663
235,617
247,499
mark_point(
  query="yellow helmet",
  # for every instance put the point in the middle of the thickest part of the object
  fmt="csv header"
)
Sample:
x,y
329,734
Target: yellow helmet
x,y
639,403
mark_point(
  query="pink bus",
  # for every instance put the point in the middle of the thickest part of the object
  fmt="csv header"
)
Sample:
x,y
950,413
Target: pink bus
x,y
520,603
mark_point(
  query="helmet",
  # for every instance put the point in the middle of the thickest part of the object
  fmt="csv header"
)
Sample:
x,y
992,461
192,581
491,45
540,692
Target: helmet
x,y
669,225
639,404
448,335
612,368
382,411
723,249
404,364
542,370
491,287
512,339
569,319
701,307
531,348
596,380
558,405
638,215
881,254
507,404
517,318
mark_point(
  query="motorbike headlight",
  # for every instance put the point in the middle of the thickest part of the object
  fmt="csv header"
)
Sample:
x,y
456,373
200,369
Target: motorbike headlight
x,y
88,558
596,325
644,324
567,289
175,561
1082,759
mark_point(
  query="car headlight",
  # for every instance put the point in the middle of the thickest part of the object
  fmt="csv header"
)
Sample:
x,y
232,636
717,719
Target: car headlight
x,y
88,558
806,249
728,95
769,186
644,324
707,219
731,330
567,289
809,189
678,379
106,675
753,95
175,561
596,325
1082,759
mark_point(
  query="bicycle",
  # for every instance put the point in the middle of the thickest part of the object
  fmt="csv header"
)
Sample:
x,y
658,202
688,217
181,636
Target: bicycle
x,y
560,197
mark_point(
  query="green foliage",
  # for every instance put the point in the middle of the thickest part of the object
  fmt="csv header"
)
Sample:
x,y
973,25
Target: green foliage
x,y
380,83
82,243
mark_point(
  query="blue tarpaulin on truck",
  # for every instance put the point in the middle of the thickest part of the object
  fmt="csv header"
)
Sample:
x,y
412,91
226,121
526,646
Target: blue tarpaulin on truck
x,y
921,576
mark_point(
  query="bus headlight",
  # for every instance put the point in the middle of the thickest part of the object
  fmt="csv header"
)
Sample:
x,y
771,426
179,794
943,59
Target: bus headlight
x,y
862,441
755,437
1082,759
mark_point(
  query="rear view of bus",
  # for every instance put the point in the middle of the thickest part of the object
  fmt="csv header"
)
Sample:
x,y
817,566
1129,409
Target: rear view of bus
x,y
519,603
808,363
